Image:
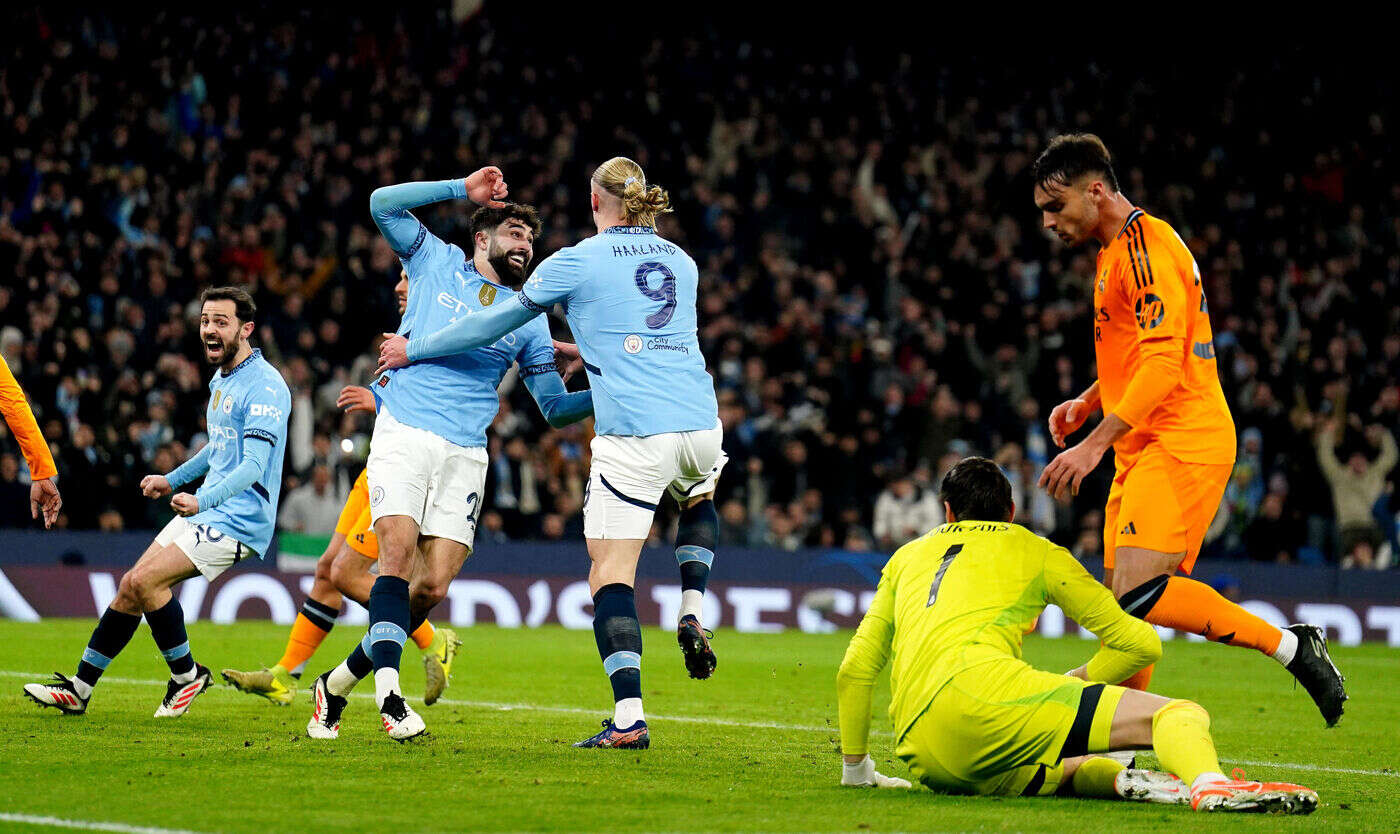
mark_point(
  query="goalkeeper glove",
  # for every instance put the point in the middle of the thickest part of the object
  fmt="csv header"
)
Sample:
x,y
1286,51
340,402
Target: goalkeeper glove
x,y
863,774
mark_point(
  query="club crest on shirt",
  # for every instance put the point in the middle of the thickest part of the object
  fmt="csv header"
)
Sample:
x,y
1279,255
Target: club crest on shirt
x,y
228,405
487,295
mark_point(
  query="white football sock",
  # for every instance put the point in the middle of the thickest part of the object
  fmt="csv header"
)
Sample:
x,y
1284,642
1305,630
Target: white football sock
x,y
83,688
186,677
1287,647
627,712
1206,778
386,682
690,603
341,680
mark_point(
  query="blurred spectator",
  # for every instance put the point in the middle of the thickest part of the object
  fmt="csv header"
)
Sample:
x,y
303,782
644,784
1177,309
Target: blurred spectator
x,y
313,507
904,511
1356,487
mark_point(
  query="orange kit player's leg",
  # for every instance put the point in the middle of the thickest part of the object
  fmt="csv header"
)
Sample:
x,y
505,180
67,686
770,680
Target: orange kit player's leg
x,y
1167,506
308,631
316,618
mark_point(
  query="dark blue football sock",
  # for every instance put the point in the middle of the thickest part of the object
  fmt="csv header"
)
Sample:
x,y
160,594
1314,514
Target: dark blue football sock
x,y
389,616
619,637
697,533
168,628
113,632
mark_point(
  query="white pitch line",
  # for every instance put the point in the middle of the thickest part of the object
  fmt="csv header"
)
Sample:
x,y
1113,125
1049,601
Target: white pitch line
x,y
89,825
723,722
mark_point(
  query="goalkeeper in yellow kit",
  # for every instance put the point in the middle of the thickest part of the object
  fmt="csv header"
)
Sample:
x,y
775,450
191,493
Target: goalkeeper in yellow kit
x,y
971,717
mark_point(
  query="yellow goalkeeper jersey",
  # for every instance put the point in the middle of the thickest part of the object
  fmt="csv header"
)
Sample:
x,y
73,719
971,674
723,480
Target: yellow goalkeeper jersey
x,y
962,595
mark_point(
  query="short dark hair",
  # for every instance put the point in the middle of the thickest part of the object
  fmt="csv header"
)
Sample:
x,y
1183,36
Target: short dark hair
x,y
243,306
487,218
976,490
1072,155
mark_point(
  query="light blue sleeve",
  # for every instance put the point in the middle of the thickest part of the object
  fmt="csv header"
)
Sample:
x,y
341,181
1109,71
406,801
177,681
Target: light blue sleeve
x,y
389,206
191,469
253,467
558,405
541,376
267,409
555,279
474,331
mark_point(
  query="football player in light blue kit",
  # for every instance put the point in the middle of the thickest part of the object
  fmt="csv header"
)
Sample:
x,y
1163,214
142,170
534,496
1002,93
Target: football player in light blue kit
x,y
427,461
229,518
629,295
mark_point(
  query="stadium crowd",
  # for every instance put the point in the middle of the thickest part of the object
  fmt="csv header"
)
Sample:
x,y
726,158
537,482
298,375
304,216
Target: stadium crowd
x,y
877,296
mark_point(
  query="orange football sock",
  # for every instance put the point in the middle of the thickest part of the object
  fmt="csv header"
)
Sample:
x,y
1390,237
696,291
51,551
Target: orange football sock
x,y
1140,680
302,643
423,635
1188,605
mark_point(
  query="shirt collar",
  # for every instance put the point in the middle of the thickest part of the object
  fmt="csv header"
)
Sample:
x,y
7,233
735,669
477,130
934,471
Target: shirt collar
x,y
236,368
472,270
630,230
1136,213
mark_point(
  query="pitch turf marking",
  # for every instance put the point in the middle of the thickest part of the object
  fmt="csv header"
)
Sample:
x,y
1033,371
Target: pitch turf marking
x,y
693,719
88,825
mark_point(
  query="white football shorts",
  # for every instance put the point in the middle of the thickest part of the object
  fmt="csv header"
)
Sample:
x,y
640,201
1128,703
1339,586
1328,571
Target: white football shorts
x,y
416,473
211,550
629,475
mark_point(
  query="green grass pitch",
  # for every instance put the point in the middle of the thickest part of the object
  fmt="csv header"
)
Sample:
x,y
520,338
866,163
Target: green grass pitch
x,y
753,749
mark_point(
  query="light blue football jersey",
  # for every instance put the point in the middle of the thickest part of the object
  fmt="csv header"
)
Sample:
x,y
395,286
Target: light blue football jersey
x,y
251,404
455,396
629,296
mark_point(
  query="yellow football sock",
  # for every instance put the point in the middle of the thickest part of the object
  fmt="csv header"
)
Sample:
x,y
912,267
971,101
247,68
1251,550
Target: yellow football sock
x,y
302,643
1095,777
1181,739
423,635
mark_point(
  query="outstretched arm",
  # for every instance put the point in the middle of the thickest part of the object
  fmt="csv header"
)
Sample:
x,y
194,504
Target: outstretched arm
x,y
855,683
252,469
476,330
389,206
558,405
191,469
1129,644
20,418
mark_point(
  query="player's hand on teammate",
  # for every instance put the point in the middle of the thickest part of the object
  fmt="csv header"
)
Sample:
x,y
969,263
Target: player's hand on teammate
x,y
393,353
155,486
1065,473
355,398
863,774
1066,419
487,187
44,497
567,359
184,504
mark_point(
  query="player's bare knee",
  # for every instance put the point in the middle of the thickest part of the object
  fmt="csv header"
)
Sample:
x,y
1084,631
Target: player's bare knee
x,y
341,573
129,592
325,568
422,597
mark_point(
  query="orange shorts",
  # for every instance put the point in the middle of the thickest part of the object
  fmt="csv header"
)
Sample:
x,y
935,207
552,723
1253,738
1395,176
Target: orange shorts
x,y
355,524
1160,503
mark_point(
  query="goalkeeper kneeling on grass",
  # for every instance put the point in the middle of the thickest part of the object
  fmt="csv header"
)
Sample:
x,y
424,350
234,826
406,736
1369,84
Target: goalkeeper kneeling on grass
x,y
971,717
